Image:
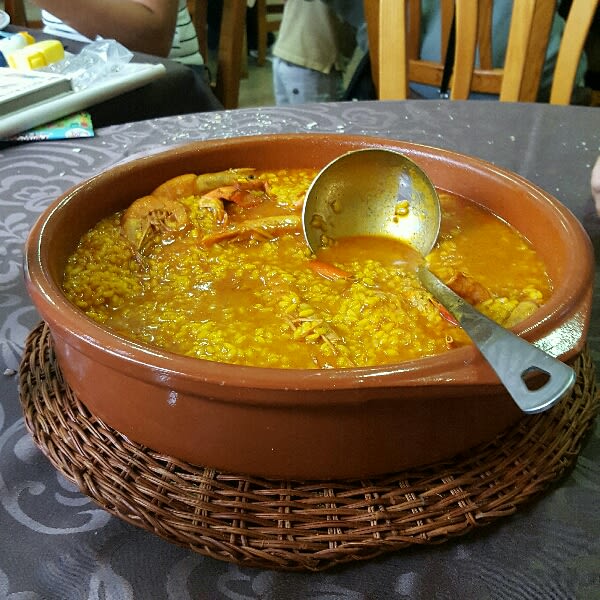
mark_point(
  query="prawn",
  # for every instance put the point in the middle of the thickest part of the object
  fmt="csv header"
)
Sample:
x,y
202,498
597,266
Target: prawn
x,y
243,193
265,228
178,187
328,270
444,312
211,181
161,211
152,214
191,184
468,288
216,206
520,312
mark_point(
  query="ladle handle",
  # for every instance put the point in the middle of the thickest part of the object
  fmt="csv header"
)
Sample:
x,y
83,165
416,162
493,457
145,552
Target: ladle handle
x,y
512,358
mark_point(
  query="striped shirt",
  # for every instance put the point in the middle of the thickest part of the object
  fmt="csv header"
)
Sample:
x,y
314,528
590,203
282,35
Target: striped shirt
x,y
184,48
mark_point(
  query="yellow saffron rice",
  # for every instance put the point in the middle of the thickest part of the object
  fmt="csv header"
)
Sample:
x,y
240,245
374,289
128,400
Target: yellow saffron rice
x,y
259,300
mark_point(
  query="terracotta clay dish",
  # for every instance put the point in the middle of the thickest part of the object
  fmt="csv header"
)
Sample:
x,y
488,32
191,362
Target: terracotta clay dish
x,y
292,423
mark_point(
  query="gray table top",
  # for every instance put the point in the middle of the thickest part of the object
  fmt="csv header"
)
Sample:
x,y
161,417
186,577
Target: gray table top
x,y
56,544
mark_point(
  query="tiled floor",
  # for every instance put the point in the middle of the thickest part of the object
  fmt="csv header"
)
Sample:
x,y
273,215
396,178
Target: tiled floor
x,y
257,88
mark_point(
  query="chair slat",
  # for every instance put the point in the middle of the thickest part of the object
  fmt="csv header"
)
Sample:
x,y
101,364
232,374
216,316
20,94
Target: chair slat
x,y
578,25
536,52
516,50
484,36
446,17
414,28
392,59
466,45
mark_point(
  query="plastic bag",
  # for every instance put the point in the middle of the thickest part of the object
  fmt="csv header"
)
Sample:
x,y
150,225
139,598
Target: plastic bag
x,y
96,62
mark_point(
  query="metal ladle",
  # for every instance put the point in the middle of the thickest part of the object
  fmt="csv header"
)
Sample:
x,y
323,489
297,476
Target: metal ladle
x,y
378,192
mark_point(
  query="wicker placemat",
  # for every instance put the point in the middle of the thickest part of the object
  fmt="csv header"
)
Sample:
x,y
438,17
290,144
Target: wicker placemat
x,y
297,525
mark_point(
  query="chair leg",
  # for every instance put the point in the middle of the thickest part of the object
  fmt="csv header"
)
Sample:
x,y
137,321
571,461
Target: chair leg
x,y
244,66
261,10
198,10
231,43
16,11
265,26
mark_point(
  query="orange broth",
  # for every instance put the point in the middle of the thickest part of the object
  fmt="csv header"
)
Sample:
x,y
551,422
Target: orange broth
x,y
264,300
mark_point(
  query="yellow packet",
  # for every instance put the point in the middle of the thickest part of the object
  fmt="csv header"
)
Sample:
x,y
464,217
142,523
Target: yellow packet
x,y
35,56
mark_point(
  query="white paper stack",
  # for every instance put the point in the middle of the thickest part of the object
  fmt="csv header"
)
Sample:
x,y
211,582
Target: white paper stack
x,y
59,104
22,89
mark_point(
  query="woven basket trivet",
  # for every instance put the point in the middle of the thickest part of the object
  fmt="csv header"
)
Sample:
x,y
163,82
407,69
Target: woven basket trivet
x,y
298,525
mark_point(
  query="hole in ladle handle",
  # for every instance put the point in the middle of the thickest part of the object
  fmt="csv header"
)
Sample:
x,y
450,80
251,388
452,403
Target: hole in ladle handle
x,y
512,358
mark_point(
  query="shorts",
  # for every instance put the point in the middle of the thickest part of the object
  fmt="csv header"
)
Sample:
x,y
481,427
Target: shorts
x,y
293,84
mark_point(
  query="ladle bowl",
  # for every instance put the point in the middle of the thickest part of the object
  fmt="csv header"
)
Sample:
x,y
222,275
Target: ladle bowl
x,y
364,192
380,192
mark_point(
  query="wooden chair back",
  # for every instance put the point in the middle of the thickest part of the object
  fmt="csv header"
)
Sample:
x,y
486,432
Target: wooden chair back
x,y
394,28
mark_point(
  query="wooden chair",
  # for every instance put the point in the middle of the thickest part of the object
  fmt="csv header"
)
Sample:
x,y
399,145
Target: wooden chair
x,y
394,33
16,12
269,14
232,47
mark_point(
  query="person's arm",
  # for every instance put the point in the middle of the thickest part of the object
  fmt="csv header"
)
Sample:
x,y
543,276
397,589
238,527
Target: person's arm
x,y
140,25
596,184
